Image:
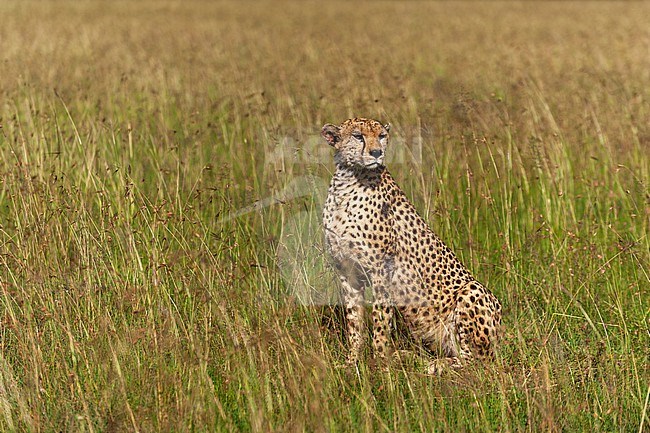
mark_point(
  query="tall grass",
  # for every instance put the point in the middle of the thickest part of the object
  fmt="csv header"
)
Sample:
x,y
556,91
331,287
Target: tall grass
x,y
160,188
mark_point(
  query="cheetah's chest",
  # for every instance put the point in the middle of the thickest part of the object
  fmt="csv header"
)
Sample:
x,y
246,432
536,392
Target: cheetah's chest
x,y
357,224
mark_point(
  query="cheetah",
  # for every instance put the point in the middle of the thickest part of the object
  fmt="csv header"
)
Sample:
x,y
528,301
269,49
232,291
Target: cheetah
x,y
376,238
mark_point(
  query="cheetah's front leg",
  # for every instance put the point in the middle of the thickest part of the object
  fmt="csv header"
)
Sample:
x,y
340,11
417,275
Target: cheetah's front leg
x,y
354,314
382,314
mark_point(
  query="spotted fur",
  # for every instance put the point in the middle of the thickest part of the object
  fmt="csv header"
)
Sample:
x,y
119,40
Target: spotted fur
x,y
376,238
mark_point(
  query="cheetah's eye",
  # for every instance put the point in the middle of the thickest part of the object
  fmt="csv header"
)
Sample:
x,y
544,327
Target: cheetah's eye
x,y
383,136
358,136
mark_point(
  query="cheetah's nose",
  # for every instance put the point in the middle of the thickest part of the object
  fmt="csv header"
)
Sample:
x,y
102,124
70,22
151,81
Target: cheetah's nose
x,y
376,153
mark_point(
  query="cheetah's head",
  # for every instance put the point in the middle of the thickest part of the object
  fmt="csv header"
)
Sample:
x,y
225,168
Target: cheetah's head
x,y
358,142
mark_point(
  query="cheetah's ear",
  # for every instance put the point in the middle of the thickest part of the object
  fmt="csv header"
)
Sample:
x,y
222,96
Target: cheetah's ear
x,y
387,127
331,134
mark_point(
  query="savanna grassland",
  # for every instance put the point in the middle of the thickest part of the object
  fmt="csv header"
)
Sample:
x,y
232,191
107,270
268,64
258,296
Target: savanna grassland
x,y
160,182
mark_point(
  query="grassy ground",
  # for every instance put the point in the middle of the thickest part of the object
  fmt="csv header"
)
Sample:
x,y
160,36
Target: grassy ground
x,y
142,289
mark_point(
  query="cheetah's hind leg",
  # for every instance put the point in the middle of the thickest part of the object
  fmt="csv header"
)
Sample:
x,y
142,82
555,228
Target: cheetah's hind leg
x,y
471,330
455,360
439,366
455,346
